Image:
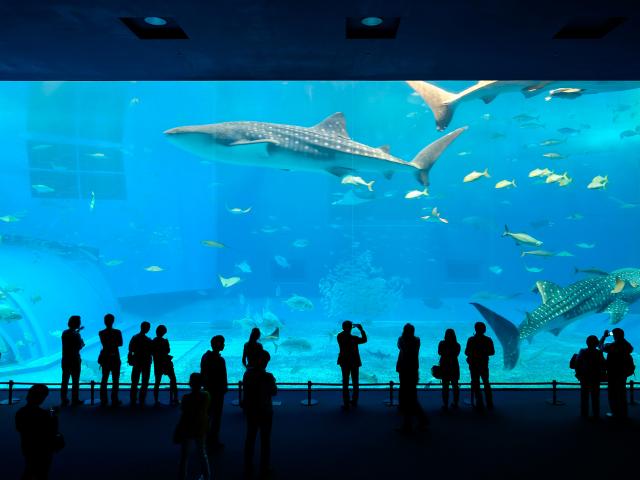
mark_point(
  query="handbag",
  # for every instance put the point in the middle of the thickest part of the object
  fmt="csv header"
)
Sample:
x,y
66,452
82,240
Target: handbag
x,y
436,372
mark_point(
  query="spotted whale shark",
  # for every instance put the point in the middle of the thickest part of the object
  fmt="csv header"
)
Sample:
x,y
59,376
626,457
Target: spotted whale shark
x,y
612,293
443,103
324,147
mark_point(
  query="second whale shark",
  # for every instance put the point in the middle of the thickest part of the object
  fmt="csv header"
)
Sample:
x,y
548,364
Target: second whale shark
x,y
612,293
443,103
324,147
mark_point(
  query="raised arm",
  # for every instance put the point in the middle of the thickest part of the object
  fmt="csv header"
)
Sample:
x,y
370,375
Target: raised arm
x,y
363,338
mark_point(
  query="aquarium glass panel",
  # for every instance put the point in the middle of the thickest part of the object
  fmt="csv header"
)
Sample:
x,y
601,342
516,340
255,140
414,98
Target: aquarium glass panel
x,y
217,207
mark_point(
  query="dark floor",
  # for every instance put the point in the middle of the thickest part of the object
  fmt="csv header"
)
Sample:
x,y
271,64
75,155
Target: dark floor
x,y
523,437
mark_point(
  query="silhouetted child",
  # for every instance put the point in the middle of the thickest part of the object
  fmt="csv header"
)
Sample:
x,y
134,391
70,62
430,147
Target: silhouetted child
x,y
252,348
163,365
72,343
619,365
192,427
109,360
38,429
479,349
140,357
407,366
449,350
350,362
259,388
589,368
214,378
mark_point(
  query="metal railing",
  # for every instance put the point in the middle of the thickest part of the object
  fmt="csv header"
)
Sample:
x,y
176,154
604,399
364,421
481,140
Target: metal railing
x,y
308,386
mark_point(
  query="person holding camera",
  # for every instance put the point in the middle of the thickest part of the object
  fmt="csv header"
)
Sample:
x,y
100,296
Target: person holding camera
x,y
139,358
349,361
619,365
407,366
39,436
449,350
72,343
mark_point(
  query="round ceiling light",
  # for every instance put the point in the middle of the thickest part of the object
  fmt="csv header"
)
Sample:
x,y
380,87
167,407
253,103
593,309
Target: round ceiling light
x,y
155,21
371,21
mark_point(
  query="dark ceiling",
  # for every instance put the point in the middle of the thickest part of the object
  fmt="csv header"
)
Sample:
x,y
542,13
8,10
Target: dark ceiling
x,y
305,39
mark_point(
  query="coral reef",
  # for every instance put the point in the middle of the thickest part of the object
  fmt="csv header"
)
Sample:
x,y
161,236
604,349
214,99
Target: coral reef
x,y
356,289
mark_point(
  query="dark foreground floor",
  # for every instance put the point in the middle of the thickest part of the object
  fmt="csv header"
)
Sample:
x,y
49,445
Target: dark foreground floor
x,y
523,438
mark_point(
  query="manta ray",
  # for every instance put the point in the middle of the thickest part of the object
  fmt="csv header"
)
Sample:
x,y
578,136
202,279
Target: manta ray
x,y
324,147
443,103
612,293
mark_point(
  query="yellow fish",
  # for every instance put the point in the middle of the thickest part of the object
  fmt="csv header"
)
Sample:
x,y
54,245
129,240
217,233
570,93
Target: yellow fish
x,y
619,286
229,282
353,180
154,268
564,181
506,184
473,176
212,244
539,172
554,177
598,182
417,193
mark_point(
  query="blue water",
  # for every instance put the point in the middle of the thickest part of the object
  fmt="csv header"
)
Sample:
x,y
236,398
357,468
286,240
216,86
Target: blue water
x,y
376,263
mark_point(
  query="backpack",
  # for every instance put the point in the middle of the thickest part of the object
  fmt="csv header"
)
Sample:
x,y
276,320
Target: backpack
x,y
629,366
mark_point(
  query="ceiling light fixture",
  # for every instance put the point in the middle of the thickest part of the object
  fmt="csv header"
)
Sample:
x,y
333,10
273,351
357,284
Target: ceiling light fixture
x,y
371,21
155,21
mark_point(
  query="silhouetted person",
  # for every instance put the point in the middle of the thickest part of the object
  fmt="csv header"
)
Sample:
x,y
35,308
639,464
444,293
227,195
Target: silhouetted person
x,y
479,349
192,427
259,387
109,360
252,349
38,429
449,350
163,365
214,378
139,358
349,361
407,367
71,362
589,368
619,365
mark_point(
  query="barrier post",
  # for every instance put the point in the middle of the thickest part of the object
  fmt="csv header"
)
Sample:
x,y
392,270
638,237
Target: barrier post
x,y
238,402
632,400
10,392
554,395
391,402
93,392
309,402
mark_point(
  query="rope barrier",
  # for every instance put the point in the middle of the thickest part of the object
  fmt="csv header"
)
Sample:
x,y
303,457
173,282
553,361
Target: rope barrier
x,y
309,401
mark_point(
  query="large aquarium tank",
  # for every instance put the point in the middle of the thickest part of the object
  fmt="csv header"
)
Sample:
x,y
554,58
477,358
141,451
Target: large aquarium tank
x,y
217,207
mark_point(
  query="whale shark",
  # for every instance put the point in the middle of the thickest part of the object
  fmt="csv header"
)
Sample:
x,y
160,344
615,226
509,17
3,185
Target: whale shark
x,y
443,103
324,147
612,294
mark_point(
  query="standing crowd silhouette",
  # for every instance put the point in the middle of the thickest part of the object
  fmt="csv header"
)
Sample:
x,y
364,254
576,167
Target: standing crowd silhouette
x,y
198,429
